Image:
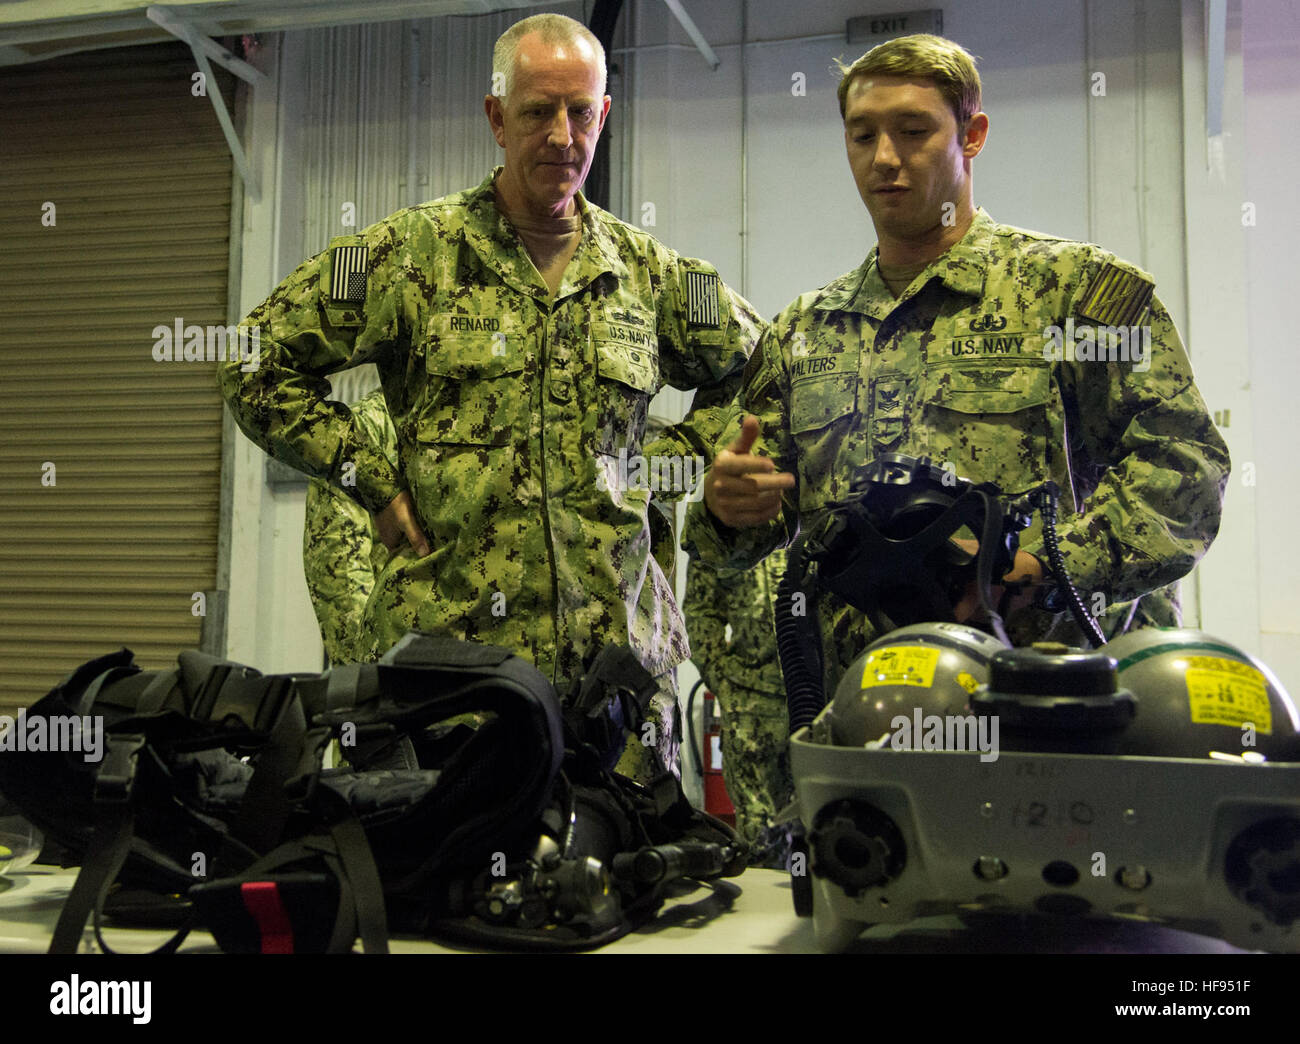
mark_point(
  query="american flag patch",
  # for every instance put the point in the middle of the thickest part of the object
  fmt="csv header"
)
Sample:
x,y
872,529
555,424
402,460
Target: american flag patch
x,y
348,274
1117,298
702,300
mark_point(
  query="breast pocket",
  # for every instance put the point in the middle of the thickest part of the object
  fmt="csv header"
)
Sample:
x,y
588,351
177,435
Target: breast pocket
x,y
991,421
627,378
476,394
824,426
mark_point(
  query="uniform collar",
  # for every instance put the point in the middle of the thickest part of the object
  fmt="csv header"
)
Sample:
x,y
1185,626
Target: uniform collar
x,y
597,251
962,267
500,249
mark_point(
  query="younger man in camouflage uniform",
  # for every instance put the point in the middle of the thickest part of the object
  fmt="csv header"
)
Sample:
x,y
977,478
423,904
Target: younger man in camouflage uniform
x,y
975,344
743,672
520,334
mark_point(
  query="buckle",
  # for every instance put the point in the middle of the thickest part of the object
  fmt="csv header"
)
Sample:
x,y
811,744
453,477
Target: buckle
x,y
116,774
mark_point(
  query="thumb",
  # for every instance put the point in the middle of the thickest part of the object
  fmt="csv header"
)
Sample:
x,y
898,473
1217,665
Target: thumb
x,y
747,437
415,535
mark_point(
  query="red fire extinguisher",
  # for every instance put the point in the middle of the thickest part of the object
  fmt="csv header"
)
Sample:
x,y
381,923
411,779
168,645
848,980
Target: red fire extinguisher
x,y
716,800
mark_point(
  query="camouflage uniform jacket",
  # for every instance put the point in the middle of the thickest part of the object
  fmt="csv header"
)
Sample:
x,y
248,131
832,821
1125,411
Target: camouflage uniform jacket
x,y
957,368
514,409
341,550
745,599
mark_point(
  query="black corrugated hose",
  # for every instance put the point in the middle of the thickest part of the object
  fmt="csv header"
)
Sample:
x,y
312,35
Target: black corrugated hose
x,y
799,643
1044,499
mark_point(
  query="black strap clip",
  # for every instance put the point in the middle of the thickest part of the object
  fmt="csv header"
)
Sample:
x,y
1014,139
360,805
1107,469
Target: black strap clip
x,y
116,775
301,786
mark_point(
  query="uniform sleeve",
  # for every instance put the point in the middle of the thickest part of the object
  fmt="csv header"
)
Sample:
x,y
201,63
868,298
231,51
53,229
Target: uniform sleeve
x,y
764,653
707,333
1149,466
765,392
374,425
337,541
705,607
338,309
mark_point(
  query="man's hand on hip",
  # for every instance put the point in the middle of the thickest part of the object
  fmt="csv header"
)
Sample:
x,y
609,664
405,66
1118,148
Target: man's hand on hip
x,y
742,489
397,522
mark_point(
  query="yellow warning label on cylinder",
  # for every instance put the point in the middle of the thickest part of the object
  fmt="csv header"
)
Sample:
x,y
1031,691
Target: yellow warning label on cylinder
x,y
1228,692
900,665
967,681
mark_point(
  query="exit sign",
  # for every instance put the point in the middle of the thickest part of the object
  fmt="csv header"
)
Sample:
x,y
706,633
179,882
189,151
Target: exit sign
x,y
873,29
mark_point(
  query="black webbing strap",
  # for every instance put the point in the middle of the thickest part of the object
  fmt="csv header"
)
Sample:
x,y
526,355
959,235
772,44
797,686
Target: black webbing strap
x,y
109,844
348,686
91,693
345,917
346,853
266,806
362,876
301,784
157,691
170,946
108,851
988,553
215,900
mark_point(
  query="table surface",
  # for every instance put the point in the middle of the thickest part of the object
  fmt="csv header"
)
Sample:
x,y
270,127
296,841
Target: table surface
x,y
749,914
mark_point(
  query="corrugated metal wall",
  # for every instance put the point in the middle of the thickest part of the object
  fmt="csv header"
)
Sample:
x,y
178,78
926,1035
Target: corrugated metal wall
x,y
390,115
108,524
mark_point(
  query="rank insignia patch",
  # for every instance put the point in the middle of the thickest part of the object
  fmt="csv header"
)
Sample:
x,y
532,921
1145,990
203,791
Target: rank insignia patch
x,y
348,274
1117,298
702,300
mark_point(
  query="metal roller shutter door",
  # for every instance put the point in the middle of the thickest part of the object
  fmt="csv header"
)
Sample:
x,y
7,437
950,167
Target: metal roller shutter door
x,y
108,523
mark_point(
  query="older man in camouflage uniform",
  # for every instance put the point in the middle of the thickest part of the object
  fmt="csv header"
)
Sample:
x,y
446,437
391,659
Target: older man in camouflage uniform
x,y
520,334
950,341
342,552
743,671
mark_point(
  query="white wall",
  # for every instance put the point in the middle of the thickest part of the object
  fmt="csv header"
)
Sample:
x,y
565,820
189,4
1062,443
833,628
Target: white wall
x,y
1271,50
780,215
806,223
1213,172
